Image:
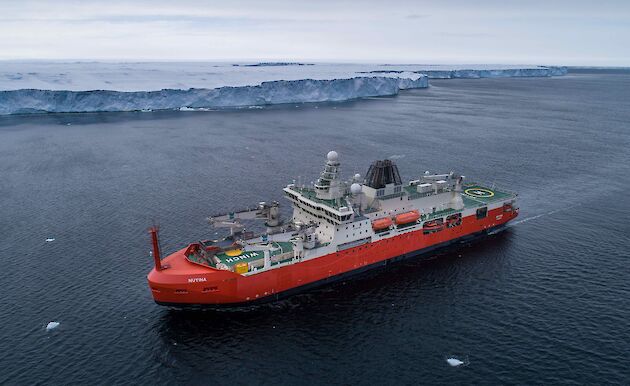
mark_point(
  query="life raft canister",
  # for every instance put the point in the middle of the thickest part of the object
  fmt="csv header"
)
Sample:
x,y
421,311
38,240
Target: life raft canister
x,y
407,217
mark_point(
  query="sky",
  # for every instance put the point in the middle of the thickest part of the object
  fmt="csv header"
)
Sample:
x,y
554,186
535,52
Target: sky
x,y
554,32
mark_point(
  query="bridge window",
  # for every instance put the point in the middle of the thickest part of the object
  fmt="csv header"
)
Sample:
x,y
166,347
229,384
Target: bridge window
x,y
482,213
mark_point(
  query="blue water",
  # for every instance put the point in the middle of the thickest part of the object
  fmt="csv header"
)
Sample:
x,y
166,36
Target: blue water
x,y
544,302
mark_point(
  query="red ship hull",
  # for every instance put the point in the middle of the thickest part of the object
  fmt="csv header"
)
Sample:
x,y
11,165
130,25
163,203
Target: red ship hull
x,y
187,284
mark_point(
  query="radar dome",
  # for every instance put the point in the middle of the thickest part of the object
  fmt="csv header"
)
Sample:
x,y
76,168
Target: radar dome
x,y
355,188
332,156
357,177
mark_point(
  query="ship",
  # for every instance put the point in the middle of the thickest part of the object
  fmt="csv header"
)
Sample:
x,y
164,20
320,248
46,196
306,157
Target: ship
x,y
338,229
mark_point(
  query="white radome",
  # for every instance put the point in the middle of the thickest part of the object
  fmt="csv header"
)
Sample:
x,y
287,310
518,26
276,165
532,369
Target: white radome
x,y
357,177
332,156
355,188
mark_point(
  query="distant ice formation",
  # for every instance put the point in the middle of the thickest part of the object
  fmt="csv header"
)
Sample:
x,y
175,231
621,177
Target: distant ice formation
x,y
474,73
52,325
496,73
50,239
42,87
271,64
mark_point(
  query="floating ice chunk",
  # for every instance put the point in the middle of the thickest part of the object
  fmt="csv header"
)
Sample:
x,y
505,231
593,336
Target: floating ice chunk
x,y
52,326
50,239
454,362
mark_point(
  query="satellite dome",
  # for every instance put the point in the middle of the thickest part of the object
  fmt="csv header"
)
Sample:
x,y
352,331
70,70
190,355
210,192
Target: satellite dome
x,y
355,188
357,177
332,156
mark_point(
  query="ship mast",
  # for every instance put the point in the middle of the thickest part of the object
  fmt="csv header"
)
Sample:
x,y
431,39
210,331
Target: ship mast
x,y
328,185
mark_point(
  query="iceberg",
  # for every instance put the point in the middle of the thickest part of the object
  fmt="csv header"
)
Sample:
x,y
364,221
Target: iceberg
x,y
267,93
474,73
54,87
496,73
270,64
52,325
454,362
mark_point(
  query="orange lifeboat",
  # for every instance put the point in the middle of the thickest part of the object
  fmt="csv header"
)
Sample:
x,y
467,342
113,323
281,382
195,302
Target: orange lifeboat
x,y
407,217
433,225
381,223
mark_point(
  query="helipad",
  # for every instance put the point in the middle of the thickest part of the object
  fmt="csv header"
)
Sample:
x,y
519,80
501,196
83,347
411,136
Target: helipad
x,y
479,192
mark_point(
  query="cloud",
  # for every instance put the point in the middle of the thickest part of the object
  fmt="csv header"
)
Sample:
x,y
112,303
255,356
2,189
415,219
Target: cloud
x,y
558,32
414,16
468,35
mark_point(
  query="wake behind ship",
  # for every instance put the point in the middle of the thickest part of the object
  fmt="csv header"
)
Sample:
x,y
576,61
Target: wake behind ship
x,y
339,228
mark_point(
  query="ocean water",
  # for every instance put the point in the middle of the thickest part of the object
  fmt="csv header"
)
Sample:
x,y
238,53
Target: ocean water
x,y
544,302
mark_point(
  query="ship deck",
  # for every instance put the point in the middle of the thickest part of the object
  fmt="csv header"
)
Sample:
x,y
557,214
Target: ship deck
x,y
249,254
473,195
477,195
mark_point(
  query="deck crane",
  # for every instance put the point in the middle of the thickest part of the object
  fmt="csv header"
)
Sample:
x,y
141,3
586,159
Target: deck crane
x,y
270,212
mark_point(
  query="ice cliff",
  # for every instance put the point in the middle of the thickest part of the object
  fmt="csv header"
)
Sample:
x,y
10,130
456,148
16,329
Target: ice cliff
x,y
39,87
267,93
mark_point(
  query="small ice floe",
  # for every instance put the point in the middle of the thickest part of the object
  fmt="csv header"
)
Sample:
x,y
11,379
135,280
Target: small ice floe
x,y
50,239
454,362
52,325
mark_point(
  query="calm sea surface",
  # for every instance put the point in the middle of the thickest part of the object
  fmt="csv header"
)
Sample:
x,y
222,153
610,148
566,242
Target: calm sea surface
x,y
545,302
